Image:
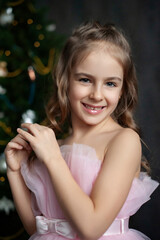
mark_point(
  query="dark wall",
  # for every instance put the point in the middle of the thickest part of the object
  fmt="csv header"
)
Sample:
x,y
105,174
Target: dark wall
x,y
141,21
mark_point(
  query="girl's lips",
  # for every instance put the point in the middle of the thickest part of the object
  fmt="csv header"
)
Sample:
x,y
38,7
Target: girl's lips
x,y
93,109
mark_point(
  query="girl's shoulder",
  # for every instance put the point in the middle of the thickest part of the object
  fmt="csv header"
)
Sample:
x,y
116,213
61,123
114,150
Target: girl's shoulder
x,y
124,149
125,144
116,135
124,137
126,134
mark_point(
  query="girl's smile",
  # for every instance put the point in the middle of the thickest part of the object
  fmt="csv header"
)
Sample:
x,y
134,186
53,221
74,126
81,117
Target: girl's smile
x,y
95,87
93,109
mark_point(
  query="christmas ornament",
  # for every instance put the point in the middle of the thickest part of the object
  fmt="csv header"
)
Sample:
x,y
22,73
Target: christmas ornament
x,y
3,166
2,90
3,69
1,115
6,205
51,27
31,73
6,17
29,116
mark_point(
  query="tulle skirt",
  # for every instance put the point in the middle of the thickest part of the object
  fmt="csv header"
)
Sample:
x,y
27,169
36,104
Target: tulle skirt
x,y
129,235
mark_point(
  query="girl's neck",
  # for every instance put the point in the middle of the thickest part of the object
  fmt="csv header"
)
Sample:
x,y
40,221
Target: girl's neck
x,y
83,130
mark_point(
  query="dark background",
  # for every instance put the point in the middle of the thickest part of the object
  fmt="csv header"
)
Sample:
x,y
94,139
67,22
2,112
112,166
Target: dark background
x,y
140,19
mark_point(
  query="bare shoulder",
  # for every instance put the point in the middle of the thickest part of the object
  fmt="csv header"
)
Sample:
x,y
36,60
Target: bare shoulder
x,y
125,146
127,136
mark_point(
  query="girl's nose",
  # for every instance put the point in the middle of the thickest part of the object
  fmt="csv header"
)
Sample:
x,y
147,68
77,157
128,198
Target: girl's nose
x,y
96,94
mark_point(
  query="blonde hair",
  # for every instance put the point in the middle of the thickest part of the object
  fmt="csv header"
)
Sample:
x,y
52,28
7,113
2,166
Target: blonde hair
x,y
81,43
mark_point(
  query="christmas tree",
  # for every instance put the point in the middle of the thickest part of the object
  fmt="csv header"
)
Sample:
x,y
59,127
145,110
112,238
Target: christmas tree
x,y
28,49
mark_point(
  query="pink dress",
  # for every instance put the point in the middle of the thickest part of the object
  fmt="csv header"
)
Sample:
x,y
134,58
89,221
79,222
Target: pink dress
x,y
84,166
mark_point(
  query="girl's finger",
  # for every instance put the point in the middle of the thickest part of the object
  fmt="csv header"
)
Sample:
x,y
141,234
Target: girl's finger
x,y
15,145
32,128
20,140
25,135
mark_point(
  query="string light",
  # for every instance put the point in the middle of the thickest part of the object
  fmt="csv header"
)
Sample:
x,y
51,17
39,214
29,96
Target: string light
x,y
7,53
39,27
30,21
14,23
37,44
41,36
2,179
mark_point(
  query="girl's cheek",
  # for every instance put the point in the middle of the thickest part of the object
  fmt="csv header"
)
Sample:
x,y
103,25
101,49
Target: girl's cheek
x,y
112,97
77,92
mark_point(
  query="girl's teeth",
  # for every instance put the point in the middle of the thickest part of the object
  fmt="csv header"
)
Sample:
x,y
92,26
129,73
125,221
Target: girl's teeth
x,y
92,108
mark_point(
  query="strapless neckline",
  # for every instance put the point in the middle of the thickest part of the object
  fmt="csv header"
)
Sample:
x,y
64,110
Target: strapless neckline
x,y
69,147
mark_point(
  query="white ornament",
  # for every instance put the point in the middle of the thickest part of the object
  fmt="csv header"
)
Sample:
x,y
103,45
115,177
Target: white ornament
x,y
1,115
51,27
6,205
6,17
3,165
2,90
29,116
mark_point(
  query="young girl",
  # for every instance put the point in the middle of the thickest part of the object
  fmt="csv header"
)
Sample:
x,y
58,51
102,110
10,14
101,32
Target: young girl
x,y
87,185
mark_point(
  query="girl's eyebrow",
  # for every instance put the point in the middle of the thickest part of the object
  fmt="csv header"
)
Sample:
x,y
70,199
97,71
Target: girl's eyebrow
x,y
114,78
84,74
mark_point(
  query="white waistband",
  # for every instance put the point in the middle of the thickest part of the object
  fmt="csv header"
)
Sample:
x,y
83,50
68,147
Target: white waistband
x,y
118,226
63,228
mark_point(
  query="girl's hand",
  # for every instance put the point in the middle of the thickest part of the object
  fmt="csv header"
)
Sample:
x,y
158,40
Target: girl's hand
x,y
16,150
42,140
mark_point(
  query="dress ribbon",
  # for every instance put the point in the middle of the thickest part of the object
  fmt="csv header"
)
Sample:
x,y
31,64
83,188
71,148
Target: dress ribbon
x,y
58,226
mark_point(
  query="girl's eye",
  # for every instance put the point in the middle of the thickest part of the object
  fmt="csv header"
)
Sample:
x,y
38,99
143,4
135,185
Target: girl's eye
x,y
111,84
85,80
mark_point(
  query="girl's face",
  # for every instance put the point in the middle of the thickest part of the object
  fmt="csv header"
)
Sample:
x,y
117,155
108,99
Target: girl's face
x,y
95,88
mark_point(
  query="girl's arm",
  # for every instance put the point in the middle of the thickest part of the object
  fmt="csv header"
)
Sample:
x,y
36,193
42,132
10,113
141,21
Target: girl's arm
x,y
17,150
22,200
90,215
